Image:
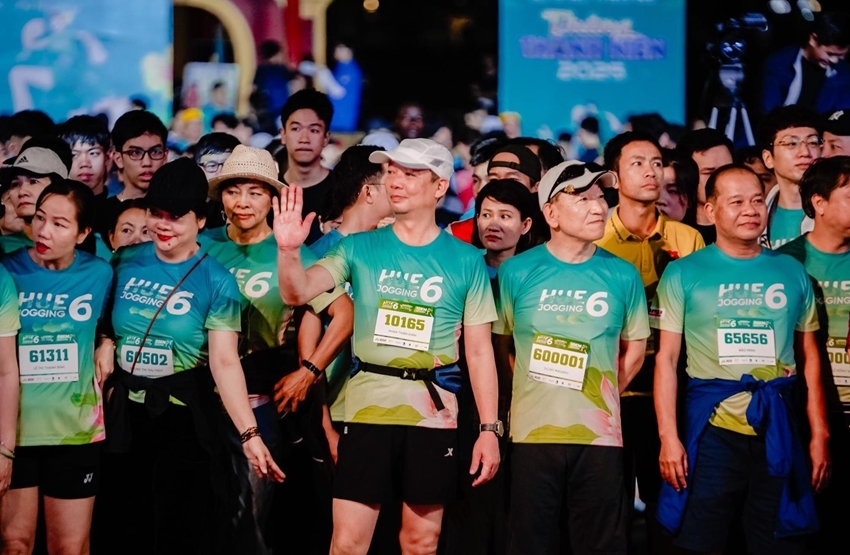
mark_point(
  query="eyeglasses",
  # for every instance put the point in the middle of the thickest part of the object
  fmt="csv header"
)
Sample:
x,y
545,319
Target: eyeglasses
x,y
136,154
211,166
573,172
792,143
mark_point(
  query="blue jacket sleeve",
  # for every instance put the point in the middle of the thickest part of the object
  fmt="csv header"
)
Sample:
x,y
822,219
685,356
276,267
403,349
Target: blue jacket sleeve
x,y
778,75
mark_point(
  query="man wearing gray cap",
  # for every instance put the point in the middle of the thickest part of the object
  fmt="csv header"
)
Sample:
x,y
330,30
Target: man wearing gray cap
x,y
836,134
415,289
40,161
576,316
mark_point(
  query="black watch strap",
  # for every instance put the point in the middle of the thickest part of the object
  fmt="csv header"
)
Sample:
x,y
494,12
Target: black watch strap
x,y
311,367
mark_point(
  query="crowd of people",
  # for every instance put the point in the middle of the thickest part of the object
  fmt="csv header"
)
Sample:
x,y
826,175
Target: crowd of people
x,y
191,341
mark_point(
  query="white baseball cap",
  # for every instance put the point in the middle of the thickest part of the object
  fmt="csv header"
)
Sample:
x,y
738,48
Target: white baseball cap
x,y
572,177
418,154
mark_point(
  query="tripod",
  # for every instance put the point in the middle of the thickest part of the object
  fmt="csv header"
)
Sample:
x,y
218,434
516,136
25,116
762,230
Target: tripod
x,y
731,76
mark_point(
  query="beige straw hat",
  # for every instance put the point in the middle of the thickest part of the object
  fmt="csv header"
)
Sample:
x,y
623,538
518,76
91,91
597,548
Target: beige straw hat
x,y
246,162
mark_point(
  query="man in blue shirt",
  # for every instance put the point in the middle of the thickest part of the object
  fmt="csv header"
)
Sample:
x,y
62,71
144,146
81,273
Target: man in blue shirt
x,y
816,75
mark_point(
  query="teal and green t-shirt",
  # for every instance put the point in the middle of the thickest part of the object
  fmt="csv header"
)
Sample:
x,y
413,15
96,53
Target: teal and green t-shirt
x,y
567,321
410,304
208,300
14,241
10,321
61,401
784,226
338,371
264,314
831,275
738,317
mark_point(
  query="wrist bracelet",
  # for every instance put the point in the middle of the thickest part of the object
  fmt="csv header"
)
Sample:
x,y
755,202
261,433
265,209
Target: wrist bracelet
x,y
6,452
311,367
253,431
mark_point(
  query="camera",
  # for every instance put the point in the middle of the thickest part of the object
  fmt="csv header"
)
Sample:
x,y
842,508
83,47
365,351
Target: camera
x,y
729,43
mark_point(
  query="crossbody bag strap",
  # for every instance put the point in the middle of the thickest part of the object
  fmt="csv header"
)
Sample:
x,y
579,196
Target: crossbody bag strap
x,y
158,310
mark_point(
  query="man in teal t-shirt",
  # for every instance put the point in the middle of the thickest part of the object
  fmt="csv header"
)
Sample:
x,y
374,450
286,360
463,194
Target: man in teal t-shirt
x,y
791,142
577,317
825,253
747,315
785,226
415,289
359,197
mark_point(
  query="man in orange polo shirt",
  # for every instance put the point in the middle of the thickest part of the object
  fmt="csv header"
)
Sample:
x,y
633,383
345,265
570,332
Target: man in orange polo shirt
x,y
639,234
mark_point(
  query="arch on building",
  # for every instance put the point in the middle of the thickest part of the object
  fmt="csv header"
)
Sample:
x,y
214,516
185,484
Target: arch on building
x,y
241,37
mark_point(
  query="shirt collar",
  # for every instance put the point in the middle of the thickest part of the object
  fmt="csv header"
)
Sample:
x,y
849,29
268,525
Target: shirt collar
x,y
624,234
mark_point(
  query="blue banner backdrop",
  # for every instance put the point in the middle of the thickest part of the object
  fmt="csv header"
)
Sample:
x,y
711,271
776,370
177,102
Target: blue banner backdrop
x,y
68,57
562,60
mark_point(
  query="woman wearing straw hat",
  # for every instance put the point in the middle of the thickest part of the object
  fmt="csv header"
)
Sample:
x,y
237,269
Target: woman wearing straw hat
x,y
247,247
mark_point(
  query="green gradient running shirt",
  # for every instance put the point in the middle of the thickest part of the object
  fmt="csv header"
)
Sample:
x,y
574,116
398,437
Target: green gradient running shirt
x,y
567,321
784,226
10,321
409,306
831,274
738,317
339,370
61,401
264,314
207,300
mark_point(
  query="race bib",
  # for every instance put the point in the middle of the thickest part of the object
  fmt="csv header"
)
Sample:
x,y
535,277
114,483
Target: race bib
x,y
746,341
155,360
48,358
558,361
839,360
403,324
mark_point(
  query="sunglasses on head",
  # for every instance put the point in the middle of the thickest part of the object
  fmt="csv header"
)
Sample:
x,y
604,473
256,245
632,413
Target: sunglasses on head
x,y
574,172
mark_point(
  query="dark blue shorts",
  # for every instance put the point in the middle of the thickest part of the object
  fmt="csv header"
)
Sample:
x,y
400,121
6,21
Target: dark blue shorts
x,y
730,481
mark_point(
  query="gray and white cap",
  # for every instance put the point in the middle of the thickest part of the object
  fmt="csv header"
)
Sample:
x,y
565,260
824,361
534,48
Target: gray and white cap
x,y
418,154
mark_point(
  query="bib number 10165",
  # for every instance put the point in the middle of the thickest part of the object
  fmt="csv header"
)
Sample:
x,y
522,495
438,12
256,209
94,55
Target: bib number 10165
x,y
404,324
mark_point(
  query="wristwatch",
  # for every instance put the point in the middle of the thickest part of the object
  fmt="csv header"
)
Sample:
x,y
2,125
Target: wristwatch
x,y
496,427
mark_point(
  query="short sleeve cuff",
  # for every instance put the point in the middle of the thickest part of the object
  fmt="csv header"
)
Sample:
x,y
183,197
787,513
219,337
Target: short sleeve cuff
x,y
324,300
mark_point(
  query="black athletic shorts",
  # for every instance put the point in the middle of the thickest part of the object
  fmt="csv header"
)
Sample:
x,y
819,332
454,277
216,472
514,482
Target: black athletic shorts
x,y
58,471
382,463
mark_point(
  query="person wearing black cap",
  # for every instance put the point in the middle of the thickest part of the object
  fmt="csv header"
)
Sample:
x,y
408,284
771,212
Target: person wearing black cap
x,y
836,134
176,321
515,162
577,318
24,125
40,161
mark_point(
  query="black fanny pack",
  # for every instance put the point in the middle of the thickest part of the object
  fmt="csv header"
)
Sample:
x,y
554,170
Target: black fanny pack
x,y
447,377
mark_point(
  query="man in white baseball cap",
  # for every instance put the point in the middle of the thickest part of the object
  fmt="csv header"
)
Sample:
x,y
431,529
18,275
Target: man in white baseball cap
x,y
413,287
576,318
419,154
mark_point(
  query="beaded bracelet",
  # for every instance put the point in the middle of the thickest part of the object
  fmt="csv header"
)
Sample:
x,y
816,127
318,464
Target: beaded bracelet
x,y
253,431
